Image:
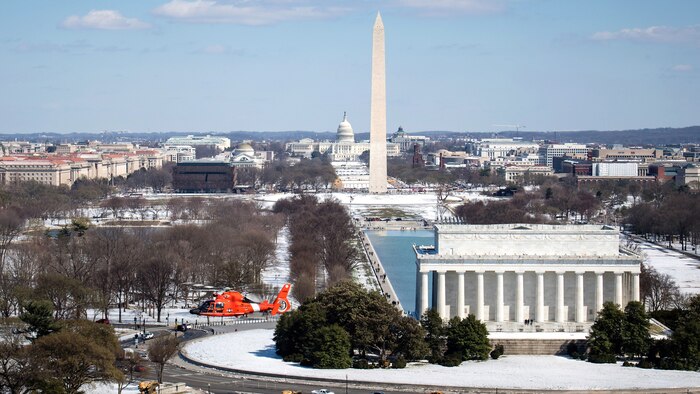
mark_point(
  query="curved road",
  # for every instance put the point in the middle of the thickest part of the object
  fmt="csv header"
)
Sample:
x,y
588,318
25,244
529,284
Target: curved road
x,y
213,381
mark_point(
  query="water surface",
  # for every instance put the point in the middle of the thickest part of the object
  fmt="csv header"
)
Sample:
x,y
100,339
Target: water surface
x,y
394,249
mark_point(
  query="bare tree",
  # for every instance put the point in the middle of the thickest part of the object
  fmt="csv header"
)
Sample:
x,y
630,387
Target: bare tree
x,y
161,350
658,291
16,370
155,276
11,224
115,204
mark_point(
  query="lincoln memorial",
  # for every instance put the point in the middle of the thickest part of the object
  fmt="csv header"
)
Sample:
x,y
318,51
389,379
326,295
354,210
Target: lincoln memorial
x,y
516,272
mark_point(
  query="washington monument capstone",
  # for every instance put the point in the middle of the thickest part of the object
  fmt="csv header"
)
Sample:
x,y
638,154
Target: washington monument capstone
x,y
377,130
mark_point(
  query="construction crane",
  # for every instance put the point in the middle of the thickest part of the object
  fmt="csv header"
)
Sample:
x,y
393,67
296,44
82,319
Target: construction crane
x,y
517,127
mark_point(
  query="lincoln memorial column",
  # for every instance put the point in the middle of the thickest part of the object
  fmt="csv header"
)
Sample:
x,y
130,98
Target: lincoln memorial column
x,y
499,296
598,291
519,299
580,313
539,316
441,294
618,289
460,294
635,287
480,295
560,298
423,292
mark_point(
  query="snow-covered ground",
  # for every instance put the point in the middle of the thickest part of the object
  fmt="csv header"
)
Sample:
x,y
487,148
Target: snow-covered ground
x,y
277,273
102,388
683,269
254,351
168,316
422,205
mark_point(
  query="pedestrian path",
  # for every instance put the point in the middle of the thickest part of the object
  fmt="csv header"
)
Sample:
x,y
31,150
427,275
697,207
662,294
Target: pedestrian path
x,y
380,273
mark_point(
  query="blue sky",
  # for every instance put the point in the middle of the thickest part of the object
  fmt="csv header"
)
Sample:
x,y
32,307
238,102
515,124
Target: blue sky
x,y
460,65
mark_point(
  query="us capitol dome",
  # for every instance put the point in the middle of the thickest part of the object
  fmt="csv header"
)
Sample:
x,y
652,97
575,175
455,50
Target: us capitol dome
x,y
345,133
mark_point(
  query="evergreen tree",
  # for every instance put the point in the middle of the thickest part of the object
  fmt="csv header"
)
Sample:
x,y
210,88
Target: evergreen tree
x,y
371,324
435,334
636,338
605,340
685,342
331,346
409,339
39,317
468,337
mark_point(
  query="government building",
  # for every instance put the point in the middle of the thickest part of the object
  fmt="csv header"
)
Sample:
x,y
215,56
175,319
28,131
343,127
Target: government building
x,y
343,149
505,274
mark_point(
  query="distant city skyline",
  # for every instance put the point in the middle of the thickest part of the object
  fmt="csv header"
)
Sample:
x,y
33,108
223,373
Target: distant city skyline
x,y
271,65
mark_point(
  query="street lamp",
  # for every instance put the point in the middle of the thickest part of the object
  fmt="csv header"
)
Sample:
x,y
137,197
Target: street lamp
x,y
144,326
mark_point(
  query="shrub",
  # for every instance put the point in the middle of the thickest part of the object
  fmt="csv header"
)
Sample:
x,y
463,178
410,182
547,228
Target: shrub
x,y
497,351
361,364
583,356
602,358
400,362
575,355
646,364
571,349
451,360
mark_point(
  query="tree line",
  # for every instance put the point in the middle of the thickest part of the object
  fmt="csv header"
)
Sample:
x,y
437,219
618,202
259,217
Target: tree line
x,y
669,215
81,267
618,334
306,174
323,244
552,203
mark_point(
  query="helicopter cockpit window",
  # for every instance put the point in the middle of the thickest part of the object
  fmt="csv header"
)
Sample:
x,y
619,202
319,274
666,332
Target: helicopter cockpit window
x,y
219,306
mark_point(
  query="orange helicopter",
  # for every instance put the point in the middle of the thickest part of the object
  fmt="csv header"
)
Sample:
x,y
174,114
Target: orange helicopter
x,y
233,303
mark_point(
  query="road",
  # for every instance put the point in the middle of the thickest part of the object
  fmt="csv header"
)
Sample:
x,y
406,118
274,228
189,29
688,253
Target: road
x,y
213,381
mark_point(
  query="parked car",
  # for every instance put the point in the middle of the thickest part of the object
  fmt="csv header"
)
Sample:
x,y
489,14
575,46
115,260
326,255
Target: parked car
x,y
322,391
147,335
102,321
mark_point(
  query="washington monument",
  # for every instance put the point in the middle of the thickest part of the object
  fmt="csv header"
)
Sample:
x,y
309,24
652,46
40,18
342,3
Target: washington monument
x,y
377,129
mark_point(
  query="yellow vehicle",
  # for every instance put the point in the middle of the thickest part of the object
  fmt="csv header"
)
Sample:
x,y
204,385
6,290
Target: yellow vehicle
x,y
290,392
148,387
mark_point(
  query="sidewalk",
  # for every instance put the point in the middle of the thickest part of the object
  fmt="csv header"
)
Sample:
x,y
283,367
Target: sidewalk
x,y
676,247
380,273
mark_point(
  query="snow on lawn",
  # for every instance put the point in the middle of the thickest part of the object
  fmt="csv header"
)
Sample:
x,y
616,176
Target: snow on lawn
x,y
277,273
254,350
102,388
418,204
167,316
683,269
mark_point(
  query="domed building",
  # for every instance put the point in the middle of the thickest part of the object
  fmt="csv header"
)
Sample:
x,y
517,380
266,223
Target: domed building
x,y
244,148
345,133
343,149
245,156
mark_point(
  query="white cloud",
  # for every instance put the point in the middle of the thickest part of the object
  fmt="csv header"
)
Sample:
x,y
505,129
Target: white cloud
x,y
447,7
662,34
682,67
215,49
103,20
244,12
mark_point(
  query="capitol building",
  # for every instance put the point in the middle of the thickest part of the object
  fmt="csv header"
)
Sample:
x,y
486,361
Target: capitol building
x,y
343,149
